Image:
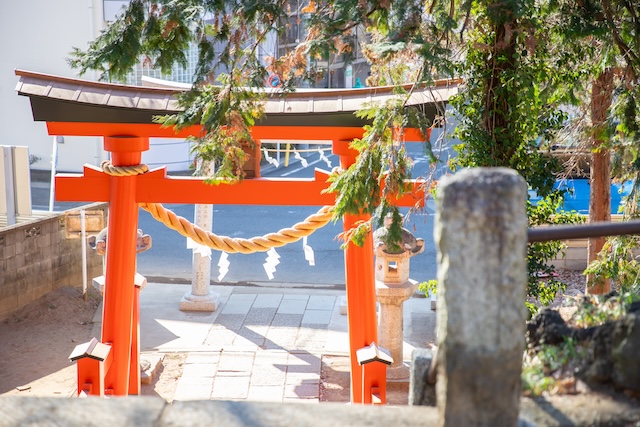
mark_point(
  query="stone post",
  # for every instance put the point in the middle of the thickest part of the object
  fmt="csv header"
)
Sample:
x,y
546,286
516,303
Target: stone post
x,y
200,298
481,236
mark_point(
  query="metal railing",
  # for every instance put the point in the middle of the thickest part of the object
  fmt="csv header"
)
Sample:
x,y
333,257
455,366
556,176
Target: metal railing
x,y
582,231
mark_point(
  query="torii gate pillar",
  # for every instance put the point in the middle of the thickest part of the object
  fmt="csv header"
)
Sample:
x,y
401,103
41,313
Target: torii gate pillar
x,y
361,301
121,254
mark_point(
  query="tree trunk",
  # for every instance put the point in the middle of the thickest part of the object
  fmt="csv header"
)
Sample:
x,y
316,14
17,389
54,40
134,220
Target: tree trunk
x,y
600,177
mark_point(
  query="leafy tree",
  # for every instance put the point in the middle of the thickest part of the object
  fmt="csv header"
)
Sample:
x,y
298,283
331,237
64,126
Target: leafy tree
x,y
607,31
509,52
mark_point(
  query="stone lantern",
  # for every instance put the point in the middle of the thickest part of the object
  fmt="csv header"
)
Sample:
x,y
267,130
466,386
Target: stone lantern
x,y
99,244
393,288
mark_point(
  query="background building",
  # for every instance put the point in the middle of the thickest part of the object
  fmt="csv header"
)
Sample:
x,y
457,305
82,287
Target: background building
x,y
43,33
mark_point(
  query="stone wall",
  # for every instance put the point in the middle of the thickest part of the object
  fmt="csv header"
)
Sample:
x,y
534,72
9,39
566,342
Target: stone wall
x,y
41,255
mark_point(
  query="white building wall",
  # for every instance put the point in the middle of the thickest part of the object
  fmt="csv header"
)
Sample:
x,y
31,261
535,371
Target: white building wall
x,y
38,36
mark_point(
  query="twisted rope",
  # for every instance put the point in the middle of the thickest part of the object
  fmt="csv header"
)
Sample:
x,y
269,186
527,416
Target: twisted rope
x,y
224,243
110,169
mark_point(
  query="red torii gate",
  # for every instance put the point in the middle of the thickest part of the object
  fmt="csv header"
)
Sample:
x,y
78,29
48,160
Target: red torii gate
x,y
124,193
126,142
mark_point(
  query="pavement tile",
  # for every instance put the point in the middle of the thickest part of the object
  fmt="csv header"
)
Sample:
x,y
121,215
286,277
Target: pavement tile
x,y
312,337
286,320
238,304
292,306
218,338
260,316
266,393
318,317
250,333
321,302
202,357
241,343
199,370
295,297
233,322
267,301
232,363
190,391
309,390
276,358
230,388
268,376
303,362
296,378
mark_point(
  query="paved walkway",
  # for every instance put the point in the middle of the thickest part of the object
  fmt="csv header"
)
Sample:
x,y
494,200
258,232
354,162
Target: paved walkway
x,y
261,344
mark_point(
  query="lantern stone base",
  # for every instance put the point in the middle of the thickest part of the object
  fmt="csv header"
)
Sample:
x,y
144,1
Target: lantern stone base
x,y
399,373
191,302
390,327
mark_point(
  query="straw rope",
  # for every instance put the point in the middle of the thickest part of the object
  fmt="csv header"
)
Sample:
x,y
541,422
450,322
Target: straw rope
x,y
224,243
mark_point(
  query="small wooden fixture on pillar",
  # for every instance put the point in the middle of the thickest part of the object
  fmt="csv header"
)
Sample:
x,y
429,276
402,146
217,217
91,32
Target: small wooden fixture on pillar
x,y
374,387
393,288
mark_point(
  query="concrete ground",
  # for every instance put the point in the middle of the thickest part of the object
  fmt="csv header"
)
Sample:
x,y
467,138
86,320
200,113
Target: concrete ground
x,y
260,344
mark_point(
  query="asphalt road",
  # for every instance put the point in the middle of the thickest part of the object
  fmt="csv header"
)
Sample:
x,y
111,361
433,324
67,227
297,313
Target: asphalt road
x,y
170,260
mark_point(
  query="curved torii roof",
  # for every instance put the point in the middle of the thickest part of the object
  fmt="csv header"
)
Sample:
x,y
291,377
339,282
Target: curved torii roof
x,y
63,99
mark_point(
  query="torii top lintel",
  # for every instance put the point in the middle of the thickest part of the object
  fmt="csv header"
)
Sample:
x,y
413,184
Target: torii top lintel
x,y
77,107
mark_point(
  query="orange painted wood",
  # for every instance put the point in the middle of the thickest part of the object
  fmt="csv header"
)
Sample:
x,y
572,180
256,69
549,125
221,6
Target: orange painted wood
x,y
117,324
156,187
91,374
134,366
361,301
328,133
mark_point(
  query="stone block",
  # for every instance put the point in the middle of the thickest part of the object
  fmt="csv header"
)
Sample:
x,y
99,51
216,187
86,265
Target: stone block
x,y
421,392
343,305
9,250
481,236
208,303
44,240
149,366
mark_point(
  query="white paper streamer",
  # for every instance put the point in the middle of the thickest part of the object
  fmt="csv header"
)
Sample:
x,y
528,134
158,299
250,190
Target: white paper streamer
x,y
308,252
303,162
204,251
271,262
270,159
323,157
223,263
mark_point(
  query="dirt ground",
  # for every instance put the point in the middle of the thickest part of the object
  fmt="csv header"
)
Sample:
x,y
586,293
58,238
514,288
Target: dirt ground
x,y
334,385
37,340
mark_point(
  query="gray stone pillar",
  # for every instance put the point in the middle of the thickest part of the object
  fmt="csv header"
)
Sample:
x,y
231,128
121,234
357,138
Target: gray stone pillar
x,y
390,324
481,236
200,298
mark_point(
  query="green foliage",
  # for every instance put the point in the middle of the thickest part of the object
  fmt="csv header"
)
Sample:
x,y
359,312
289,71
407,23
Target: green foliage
x,y
540,253
429,287
372,183
595,310
512,93
545,367
618,262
